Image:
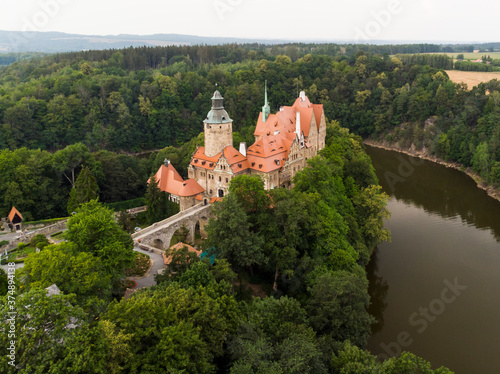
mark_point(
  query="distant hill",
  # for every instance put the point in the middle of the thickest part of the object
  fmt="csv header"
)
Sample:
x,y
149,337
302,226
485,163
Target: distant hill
x,y
51,42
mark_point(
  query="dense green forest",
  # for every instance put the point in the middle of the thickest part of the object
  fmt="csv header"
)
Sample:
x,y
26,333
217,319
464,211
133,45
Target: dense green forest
x,y
305,249
61,112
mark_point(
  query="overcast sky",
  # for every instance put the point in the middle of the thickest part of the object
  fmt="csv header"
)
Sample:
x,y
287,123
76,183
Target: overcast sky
x,y
417,20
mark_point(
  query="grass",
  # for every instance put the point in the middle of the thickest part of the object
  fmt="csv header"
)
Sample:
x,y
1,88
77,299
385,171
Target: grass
x,y
58,235
19,255
472,78
468,56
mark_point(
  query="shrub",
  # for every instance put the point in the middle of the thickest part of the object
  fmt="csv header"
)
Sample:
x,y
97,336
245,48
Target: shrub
x,y
140,266
39,241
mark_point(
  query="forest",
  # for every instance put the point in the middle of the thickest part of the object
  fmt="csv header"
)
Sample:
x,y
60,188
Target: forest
x,y
89,116
304,248
62,112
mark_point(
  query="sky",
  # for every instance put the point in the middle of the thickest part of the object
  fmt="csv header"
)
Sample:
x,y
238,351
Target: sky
x,y
329,20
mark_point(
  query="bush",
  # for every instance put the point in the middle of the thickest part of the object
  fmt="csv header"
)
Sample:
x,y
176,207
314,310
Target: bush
x,y
3,242
140,266
39,241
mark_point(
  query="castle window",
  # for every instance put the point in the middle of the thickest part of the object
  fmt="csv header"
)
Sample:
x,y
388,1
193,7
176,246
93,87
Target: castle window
x,y
210,192
220,179
227,180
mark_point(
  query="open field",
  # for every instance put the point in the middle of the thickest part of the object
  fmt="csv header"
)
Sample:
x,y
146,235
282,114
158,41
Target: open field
x,y
472,78
469,56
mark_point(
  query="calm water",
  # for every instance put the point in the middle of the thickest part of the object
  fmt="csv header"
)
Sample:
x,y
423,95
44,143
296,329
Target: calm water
x,y
436,287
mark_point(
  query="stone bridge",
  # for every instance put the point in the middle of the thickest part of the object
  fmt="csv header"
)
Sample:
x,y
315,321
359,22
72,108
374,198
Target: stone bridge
x,y
157,237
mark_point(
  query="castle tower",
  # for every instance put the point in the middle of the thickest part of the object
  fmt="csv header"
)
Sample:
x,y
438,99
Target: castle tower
x,y
218,127
266,110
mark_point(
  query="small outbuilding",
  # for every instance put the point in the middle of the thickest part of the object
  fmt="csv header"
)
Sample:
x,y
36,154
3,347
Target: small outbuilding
x,y
15,219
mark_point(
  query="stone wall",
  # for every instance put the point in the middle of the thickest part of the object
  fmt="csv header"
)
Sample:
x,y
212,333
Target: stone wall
x,y
26,238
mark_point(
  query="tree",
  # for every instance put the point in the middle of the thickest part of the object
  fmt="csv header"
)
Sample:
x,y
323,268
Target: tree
x,y
186,328
94,230
73,272
481,161
275,339
230,235
70,158
47,329
3,282
84,190
337,307
158,203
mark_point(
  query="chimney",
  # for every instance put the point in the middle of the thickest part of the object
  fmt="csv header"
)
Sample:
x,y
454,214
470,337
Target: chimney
x,y
243,148
302,96
298,129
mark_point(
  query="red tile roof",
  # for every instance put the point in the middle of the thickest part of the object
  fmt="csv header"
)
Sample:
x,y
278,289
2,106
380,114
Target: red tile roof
x,y
201,160
168,259
169,180
274,139
318,111
13,213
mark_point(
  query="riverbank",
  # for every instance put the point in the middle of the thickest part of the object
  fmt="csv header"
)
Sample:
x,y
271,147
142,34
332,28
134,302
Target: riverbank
x,y
490,190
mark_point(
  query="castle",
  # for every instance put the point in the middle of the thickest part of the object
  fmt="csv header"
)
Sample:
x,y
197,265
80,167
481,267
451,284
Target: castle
x,y
283,143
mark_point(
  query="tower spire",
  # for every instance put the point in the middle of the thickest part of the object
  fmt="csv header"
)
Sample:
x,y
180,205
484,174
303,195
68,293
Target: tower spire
x,y
266,110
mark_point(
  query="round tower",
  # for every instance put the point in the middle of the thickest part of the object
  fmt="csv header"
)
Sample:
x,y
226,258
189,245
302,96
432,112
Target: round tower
x,y
218,127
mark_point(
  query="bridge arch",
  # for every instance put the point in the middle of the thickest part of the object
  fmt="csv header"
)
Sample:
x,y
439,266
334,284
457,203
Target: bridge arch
x,y
157,237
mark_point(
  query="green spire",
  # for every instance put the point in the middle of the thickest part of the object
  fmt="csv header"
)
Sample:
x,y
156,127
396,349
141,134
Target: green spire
x,y
266,110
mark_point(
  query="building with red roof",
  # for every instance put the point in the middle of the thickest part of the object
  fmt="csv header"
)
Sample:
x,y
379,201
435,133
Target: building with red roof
x,y
283,143
15,219
184,192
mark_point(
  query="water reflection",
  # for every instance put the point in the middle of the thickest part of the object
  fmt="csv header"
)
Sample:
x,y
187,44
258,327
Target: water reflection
x,y
438,190
378,290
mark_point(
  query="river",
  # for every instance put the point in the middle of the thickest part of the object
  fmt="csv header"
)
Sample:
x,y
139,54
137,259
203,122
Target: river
x,y
435,288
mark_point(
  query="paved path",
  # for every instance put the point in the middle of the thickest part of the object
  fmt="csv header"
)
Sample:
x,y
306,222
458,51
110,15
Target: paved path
x,y
148,280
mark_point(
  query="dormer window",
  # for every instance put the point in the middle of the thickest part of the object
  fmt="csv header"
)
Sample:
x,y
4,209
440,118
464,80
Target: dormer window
x,y
203,162
277,162
260,166
239,165
196,161
253,164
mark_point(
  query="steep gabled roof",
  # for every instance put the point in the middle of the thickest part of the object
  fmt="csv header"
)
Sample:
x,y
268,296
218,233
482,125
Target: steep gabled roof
x,y
13,213
169,180
236,160
318,111
201,160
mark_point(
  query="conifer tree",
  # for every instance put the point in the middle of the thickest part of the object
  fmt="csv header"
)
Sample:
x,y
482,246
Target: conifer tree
x,y
85,190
